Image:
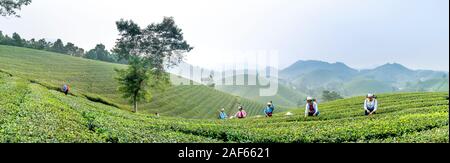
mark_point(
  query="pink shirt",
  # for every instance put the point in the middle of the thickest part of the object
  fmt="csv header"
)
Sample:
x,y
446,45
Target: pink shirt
x,y
241,114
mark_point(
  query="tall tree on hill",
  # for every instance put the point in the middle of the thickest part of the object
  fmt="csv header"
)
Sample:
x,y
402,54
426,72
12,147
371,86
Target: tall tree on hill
x,y
330,95
17,40
79,52
31,43
102,53
99,53
9,7
42,44
58,47
70,48
150,51
7,40
1,37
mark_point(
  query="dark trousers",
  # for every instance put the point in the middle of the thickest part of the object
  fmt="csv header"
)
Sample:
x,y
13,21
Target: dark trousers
x,y
370,109
312,114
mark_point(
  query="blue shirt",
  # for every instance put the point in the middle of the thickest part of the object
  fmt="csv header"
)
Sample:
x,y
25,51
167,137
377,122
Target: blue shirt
x,y
269,109
223,115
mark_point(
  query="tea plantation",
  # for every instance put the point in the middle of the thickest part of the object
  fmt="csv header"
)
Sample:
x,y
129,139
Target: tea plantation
x,y
95,80
32,113
32,110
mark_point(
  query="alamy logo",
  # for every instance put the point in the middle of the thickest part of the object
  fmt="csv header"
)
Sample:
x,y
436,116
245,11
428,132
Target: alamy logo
x,y
257,69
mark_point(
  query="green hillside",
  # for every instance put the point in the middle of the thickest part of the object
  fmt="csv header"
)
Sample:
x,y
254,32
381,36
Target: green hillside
x,y
432,85
319,78
285,96
301,68
364,86
390,73
32,113
199,102
95,80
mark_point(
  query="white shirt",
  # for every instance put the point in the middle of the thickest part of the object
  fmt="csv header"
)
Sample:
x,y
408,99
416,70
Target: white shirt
x,y
316,108
371,104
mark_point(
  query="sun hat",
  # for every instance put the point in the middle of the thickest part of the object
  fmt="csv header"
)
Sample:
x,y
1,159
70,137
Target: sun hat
x,y
289,114
309,98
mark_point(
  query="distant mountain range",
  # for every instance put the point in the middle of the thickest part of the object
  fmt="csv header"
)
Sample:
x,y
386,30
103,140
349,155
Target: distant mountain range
x,y
312,77
308,76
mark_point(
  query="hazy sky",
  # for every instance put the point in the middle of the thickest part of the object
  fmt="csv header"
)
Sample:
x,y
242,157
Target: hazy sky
x,y
360,33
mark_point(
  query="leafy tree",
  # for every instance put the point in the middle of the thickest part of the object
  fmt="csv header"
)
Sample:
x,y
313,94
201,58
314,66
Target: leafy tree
x,y
330,95
3,40
58,47
100,53
116,59
136,81
9,7
149,51
17,40
42,44
31,43
91,55
79,52
1,37
133,82
70,48
7,40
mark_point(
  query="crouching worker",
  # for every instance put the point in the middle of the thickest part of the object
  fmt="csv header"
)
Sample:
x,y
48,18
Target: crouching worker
x,y
65,89
268,111
222,114
311,107
370,105
241,113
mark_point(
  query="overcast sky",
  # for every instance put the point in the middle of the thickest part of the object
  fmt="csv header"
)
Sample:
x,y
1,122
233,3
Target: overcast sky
x,y
360,33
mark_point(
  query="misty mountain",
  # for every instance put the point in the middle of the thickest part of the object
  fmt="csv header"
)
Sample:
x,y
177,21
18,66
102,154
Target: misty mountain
x,y
390,73
303,68
310,78
313,76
